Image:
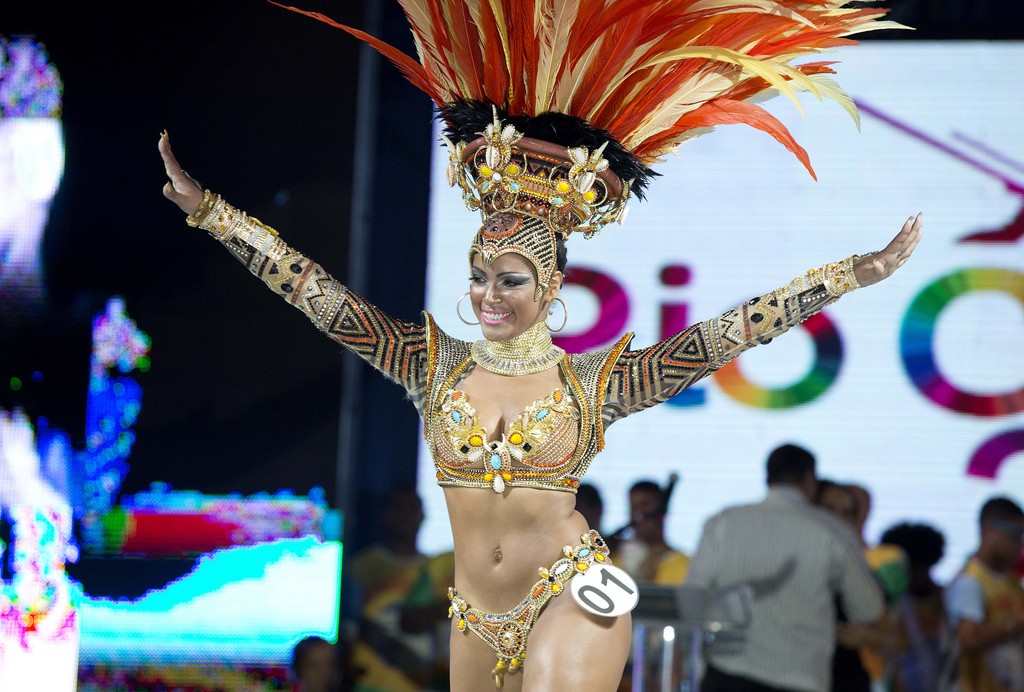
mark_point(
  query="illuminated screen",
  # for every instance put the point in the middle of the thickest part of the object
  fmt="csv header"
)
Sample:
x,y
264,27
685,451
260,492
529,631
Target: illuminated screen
x,y
95,579
914,387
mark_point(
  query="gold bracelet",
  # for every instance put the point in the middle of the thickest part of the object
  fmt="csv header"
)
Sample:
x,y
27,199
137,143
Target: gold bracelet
x,y
205,207
838,277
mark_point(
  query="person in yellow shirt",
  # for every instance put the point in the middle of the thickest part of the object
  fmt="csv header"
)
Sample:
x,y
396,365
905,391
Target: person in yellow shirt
x,y
389,658
985,604
645,554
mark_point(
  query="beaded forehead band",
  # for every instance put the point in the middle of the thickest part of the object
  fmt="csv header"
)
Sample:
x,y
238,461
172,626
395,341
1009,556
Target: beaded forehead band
x,y
507,233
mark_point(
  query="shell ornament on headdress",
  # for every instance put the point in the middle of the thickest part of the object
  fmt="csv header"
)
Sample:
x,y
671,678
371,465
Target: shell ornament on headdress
x,y
555,109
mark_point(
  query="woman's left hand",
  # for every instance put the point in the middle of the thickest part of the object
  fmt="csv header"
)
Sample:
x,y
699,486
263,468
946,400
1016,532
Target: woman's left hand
x,y
872,268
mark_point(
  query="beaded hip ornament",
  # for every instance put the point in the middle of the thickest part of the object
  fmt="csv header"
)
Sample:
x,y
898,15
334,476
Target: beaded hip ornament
x,y
507,633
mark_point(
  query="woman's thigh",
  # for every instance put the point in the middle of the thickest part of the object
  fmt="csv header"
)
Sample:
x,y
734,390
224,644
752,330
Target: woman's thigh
x,y
569,648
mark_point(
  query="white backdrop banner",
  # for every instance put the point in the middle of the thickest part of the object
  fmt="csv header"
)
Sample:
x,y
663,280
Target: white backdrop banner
x,y
913,388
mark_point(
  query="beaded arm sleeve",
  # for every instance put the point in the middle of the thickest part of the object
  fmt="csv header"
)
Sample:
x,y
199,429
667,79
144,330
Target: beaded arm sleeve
x,y
641,379
397,349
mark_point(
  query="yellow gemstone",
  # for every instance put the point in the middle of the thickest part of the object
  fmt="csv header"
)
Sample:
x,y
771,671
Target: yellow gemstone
x,y
562,186
462,625
582,566
599,557
488,477
515,661
506,476
476,441
512,169
500,666
486,170
556,589
516,438
589,195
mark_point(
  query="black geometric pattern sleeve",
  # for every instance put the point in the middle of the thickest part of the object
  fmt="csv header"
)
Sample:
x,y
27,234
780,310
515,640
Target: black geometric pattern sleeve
x,y
641,379
396,348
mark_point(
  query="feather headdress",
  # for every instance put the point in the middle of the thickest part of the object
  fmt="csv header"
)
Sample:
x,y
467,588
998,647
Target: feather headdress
x,y
554,110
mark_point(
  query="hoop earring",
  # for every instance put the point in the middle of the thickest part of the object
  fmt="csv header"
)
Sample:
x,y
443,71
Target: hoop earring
x,y
459,312
565,315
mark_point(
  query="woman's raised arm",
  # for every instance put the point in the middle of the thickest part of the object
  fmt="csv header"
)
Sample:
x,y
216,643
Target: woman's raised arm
x,y
396,348
646,377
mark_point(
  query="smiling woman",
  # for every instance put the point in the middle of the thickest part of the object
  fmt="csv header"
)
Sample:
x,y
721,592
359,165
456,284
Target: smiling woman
x,y
503,292
511,417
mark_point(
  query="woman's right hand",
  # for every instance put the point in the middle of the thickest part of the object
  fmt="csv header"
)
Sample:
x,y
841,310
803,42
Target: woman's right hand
x,y
181,188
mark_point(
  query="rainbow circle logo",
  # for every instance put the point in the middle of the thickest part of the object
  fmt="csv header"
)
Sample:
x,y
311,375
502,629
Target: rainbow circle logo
x,y
918,332
828,355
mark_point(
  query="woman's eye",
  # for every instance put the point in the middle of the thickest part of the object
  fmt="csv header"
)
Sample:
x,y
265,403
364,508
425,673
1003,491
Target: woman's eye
x,y
478,279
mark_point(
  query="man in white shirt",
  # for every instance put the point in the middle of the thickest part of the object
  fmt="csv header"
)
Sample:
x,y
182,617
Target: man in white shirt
x,y
795,559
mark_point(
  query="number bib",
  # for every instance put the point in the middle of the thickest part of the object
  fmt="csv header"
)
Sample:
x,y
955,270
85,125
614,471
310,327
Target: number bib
x,y
605,590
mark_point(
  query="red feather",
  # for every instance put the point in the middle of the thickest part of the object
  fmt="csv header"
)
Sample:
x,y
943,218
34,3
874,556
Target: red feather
x,y
465,40
623,59
495,66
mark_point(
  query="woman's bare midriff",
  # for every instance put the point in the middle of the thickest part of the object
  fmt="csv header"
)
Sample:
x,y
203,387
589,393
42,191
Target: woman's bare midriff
x,y
529,527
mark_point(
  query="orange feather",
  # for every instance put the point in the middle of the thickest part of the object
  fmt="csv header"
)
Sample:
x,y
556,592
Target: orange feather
x,y
652,73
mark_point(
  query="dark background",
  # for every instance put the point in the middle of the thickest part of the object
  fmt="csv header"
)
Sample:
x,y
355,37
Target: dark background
x,y
263,106
243,394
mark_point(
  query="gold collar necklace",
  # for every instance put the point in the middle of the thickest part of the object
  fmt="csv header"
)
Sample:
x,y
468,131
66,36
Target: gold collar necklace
x,y
530,352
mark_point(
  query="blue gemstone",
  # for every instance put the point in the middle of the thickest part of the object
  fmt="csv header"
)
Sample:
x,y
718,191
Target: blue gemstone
x,y
456,416
542,414
583,552
495,461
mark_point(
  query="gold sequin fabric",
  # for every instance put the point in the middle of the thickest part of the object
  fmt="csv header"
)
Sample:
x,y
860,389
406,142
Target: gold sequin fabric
x,y
507,633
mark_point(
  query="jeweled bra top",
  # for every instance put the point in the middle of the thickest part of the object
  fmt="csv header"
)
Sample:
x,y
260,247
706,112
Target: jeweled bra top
x,y
549,444
537,447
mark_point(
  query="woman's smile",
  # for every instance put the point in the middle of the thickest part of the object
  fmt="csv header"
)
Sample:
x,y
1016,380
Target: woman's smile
x,y
494,316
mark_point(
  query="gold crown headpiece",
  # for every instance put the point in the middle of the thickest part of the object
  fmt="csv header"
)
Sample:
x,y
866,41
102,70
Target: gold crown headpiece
x,y
572,189
532,193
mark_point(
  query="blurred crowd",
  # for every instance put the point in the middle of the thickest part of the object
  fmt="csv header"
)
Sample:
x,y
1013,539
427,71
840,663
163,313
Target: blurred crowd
x,y
827,609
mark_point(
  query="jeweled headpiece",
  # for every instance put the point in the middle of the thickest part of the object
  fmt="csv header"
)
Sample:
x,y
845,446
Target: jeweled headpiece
x,y
533,193
554,109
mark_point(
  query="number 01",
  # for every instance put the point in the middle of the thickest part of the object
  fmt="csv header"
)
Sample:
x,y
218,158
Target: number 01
x,y
595,594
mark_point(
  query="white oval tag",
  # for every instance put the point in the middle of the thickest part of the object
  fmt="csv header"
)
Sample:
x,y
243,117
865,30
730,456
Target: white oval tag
x,y
605,590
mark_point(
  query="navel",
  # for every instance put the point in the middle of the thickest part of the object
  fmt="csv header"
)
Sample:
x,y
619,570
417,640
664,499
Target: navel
x,y
497,554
